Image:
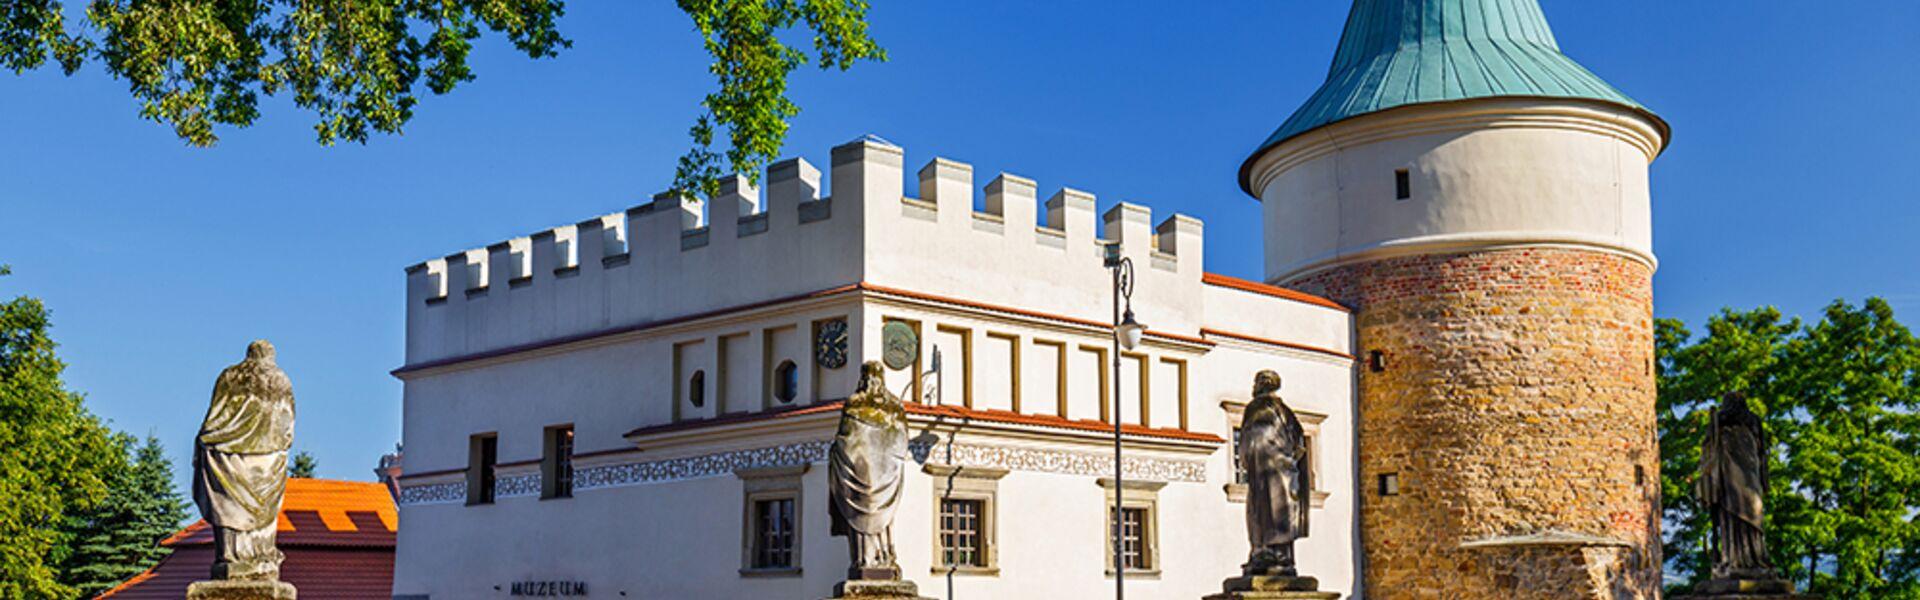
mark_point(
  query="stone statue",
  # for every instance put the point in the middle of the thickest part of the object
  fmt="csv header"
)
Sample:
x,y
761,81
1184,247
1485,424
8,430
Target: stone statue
x,y
1732,488
240,475
866,468
1273,450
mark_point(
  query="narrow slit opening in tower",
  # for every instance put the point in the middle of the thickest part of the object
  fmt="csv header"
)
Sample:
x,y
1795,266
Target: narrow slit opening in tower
x,y
1402,185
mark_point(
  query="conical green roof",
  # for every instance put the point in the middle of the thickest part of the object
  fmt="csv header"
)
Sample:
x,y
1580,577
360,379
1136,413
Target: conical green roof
x,y
1402,52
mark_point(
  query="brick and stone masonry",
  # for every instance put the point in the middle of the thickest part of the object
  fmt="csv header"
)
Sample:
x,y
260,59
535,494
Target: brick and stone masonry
x,y
1513,398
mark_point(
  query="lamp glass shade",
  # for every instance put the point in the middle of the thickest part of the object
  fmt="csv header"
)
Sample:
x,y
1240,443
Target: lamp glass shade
x,y
1130,332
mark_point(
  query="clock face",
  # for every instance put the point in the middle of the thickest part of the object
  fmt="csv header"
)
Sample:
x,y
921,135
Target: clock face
x,y
830,344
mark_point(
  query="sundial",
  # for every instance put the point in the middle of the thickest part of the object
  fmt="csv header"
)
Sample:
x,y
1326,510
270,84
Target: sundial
x,y
899,345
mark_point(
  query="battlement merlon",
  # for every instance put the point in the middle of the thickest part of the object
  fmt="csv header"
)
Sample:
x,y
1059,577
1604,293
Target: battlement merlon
x,y
673,255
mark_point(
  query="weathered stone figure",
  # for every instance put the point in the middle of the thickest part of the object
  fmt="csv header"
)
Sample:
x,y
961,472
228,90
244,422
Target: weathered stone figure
x,y
240,475
865,469
1733,488
1273,448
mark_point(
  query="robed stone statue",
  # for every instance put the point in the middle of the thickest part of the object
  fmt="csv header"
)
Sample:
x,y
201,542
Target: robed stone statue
x,y
1273,449
1732,489
1274,452
865,470
240,465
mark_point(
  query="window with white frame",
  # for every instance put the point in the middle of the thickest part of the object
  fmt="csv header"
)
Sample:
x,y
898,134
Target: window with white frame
x,y
1138,522
1135,552
964,525
770,525
963,532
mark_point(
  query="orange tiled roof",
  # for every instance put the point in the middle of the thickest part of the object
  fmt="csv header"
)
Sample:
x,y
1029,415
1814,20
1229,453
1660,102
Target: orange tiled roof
x,y
319,506
346,515
1268,290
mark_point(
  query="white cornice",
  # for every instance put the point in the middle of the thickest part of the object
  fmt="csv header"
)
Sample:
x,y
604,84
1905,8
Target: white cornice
x,y
1466,115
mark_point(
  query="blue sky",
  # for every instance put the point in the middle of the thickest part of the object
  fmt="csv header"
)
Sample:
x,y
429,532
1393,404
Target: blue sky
x,y
1789,182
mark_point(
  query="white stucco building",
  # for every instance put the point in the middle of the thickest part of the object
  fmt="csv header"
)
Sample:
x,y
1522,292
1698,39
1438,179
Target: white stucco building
x,y
692,398
639,405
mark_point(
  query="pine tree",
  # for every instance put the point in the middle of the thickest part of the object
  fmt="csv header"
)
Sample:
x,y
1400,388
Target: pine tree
x,y
121,537
303,467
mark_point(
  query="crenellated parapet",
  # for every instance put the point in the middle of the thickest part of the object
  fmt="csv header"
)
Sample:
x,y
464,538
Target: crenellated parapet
x,y
676,256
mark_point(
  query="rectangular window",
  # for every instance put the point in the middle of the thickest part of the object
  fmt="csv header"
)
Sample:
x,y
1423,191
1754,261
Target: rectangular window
x,y
1135,551
1402,185
482,454
773,537
556,463
962,533
770,535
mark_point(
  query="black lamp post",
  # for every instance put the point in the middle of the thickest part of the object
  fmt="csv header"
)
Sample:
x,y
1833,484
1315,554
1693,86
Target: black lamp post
x,y
1126,335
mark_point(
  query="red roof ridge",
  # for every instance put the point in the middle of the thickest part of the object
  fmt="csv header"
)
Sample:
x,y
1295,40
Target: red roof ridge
x,y
1243,285
130,582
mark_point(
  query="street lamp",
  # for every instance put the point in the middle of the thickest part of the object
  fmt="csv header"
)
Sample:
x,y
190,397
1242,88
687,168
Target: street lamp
x,y
1126,335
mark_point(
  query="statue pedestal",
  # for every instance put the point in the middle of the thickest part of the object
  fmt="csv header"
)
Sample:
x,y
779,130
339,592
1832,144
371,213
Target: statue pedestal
x,y
240,589
876,589
1746,589
1272,587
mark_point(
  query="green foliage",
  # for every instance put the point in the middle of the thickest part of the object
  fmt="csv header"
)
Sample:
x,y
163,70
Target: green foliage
x,y
752,64
194,65
56,455
121,536
1839,398
303,465
32,31
358,64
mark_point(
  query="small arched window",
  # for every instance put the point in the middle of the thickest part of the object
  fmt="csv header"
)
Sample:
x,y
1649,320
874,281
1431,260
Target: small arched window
x,y
697,389
786,382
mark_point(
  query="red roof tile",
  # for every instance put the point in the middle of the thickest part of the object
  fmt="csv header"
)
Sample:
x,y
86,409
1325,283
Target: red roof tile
x,y
338,537
1243,285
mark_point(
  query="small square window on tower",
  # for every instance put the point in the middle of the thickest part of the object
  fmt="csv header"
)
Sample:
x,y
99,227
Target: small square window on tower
x,y
1402,185
1389,484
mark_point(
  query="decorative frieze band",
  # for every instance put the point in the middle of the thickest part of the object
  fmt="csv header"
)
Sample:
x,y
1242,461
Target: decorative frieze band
x,y
433,493
517,486
1063,462
1012,458
695,467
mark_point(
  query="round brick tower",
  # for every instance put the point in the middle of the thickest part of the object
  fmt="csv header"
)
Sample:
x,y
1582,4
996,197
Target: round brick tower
x,y
1481,201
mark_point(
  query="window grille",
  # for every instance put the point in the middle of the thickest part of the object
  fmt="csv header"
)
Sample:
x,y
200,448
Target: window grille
x,y
1134,553
962,533
773,533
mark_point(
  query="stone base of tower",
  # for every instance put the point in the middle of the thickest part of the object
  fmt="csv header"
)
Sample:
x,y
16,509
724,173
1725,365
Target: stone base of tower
x,y
1506,423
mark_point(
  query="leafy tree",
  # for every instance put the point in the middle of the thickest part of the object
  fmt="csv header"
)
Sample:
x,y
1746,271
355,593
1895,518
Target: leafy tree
x,y
303,465
1839,398
56,454
121,536
359,64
